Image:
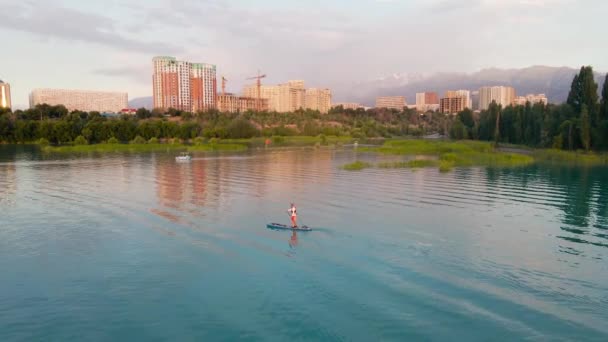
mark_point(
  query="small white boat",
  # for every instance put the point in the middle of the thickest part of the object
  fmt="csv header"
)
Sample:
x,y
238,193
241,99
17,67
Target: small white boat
x,y
185,157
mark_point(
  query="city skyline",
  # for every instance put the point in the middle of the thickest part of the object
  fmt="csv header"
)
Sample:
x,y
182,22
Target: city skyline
x,y
105,46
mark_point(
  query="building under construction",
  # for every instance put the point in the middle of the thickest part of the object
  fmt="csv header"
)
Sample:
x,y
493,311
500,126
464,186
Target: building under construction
x,y
231,103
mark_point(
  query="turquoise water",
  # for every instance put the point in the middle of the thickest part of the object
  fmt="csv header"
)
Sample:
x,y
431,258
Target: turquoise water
x,y
139,247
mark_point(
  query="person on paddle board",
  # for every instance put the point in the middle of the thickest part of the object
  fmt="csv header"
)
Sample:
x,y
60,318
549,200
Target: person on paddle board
x,y
294,216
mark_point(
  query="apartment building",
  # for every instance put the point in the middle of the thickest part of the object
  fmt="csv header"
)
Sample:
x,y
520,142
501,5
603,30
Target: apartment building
x,y
427,101
391,102
183,85
503,96
5,95
290,96
348,105
532,98
318,99
84,100
452,105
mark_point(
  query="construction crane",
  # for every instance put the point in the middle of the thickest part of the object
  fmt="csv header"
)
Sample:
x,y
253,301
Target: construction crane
x,y
259,85
224,80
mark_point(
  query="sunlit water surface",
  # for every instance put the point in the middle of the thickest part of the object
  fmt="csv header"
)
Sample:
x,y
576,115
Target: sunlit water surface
x,y
139,247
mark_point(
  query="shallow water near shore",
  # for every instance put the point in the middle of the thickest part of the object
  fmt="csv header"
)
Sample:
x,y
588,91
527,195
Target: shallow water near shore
x,y
138,247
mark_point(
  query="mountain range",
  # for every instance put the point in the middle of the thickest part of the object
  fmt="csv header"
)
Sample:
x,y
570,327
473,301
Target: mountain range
x,y
554,82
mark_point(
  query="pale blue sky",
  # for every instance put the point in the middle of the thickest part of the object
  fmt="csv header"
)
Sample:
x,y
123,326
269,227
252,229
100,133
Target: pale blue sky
x,y
108,45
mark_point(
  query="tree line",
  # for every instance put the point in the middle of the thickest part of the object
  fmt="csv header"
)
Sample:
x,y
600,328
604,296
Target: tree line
x,y
59,126
580,123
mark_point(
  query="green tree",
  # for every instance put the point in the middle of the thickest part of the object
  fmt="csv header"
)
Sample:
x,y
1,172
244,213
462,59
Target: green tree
x,y
604,103
242,128
466,117
80,140
585,128
569,126
459,130
583,92
575,96
138,140
143,113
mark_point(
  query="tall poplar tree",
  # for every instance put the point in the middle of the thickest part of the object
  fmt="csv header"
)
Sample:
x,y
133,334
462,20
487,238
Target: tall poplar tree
x,y
585,128
604,103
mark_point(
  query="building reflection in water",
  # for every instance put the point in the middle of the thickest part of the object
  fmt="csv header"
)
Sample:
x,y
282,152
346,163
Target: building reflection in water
x,y
8,184
209,185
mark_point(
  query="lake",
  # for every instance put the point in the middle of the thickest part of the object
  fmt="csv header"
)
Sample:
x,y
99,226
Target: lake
x,y
128,247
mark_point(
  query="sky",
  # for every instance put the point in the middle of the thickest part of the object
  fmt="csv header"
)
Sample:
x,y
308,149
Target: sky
x,y
109,45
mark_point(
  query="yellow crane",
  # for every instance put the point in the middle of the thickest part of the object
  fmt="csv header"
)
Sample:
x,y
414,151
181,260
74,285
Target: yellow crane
x,y
259,85
224,80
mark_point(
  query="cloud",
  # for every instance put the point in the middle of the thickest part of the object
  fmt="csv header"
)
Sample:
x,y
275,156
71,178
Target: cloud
x,y
52,20
140,74
446,6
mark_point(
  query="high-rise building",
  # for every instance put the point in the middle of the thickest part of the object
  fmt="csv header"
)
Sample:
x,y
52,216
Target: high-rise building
x,y
283,98
466,94
84,100
268,93
452,105
183,85
475,100
5,95
318,99
292,96
391,102
532,98
427,101
503,96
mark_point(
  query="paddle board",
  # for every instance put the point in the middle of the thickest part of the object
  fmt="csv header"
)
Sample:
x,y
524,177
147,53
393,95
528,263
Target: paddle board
x,y
283,226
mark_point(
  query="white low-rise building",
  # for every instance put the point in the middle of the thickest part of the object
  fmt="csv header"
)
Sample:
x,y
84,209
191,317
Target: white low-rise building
x,y
84,100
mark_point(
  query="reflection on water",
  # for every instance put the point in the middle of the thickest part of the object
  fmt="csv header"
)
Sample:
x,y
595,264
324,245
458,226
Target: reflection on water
x,y
293,241
579,193
509,252
8,183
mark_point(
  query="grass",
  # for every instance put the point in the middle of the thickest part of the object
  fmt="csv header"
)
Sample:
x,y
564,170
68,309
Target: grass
x,y
217,147
103,148
450,154
284,141
358,165
426,147
416,163
445,166
571,157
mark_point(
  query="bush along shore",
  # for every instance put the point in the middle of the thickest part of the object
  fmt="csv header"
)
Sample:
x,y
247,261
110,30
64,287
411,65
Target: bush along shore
x,y
139,144
199,144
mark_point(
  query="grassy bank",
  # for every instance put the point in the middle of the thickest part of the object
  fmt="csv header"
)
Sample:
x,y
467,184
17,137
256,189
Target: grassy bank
x,y
286,141
416,163
144,148
355,166
571,157
449,154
